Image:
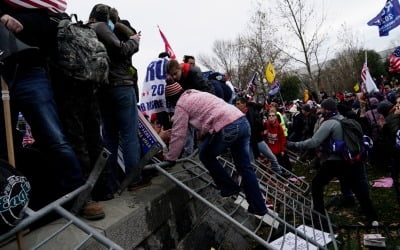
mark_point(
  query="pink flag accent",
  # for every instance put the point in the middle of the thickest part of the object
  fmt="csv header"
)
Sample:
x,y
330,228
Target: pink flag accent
x,y
386,182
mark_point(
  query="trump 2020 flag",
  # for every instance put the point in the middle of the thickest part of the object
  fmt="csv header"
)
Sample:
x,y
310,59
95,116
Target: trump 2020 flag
x,y
394,61
168,48
388,18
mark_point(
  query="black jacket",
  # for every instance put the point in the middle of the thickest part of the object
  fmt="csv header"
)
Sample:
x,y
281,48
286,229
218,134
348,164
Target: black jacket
x,y
254,117
120,54
193,79
39,31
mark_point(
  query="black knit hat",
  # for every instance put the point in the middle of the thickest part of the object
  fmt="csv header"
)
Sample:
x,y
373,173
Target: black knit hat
x,y
384,107
329,104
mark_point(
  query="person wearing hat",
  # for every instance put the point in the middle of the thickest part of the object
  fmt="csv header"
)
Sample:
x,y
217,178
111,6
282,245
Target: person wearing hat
x,y
333,165
188,76
222,126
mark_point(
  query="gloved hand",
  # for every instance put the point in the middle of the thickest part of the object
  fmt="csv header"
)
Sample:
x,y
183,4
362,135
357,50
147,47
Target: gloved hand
x,y
290,145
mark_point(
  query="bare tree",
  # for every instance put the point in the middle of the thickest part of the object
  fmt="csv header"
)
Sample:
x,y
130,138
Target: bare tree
x,y
301,20
228,57
343,71
249,53
260,44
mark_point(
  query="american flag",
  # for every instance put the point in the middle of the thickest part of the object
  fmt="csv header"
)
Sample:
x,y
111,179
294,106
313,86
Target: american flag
x,y
168,48
364,73
368,84
394,61
56,6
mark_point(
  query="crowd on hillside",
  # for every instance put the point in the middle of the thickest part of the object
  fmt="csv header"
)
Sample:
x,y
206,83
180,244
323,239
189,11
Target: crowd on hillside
x,y
71,121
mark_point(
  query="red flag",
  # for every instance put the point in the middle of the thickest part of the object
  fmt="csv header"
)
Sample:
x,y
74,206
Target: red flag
x,y
168,48
394,61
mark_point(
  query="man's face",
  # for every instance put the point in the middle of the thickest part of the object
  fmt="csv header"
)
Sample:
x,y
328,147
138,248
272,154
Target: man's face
x,y
241,106
191,61
176,74
386,89
271,117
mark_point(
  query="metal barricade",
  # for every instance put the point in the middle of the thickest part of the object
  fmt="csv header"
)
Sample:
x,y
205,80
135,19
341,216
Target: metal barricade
x,y
70,219
290,223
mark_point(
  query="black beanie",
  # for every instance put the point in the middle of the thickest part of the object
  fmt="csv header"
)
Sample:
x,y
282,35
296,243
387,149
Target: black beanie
x,y
329,104
384,107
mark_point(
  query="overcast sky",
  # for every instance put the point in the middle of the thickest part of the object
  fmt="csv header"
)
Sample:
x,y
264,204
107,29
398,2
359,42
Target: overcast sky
x,y
191,27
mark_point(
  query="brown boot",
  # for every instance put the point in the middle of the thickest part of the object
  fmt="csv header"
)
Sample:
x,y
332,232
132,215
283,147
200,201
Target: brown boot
x,y
92,210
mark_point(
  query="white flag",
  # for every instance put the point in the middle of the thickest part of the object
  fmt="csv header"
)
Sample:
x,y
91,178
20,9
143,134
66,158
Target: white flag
x,y
369,83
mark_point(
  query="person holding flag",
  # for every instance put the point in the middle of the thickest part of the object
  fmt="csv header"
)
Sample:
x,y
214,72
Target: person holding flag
x,y
251,86
369,85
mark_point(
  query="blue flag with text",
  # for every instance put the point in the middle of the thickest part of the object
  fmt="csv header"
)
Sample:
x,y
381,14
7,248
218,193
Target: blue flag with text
x,y
388,18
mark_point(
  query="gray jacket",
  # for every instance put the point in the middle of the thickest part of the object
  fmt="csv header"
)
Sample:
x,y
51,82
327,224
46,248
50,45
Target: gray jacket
x,y
329,129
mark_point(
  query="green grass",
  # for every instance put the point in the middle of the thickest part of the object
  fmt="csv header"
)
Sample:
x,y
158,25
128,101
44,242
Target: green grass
x,y
350,220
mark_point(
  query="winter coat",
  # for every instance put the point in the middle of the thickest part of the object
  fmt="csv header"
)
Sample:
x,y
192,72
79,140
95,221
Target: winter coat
x,y
39,31
203,111
329,129
192,78
275,137
120,54
254,118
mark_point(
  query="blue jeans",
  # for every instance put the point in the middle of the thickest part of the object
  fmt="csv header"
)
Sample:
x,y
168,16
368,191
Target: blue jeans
x,y
119,115
32,95
235,136
266,152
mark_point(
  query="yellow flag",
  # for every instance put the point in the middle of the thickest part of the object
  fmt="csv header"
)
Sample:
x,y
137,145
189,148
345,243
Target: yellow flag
x,y
270,73
356,87
306,96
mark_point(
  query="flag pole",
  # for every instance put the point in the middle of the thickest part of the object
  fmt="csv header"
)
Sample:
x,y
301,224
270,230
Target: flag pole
x,y
366,97
280,95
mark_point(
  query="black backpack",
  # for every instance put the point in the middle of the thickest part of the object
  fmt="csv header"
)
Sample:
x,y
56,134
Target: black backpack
x,y
15,192
355,145
80,55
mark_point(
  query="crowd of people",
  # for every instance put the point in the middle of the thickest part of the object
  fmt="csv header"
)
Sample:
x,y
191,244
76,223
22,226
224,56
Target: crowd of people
x,y
72,121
